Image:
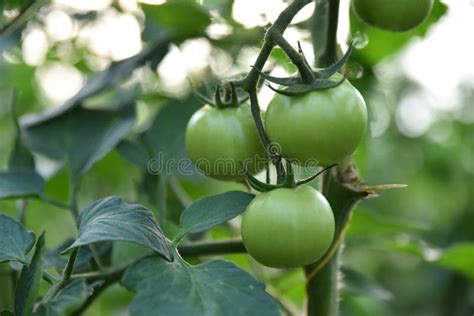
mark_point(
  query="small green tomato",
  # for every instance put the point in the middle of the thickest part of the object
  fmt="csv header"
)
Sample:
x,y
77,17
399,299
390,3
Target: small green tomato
x,y
287,228
323,126
393,15
221,141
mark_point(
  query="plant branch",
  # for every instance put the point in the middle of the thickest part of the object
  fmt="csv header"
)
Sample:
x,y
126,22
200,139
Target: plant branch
x,y
306,73
250,82
212,248
281,23
191,250
65,277
269,149
54,202
91,298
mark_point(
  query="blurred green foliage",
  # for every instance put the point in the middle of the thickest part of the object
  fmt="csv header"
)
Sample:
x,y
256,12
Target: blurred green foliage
x,y
409,252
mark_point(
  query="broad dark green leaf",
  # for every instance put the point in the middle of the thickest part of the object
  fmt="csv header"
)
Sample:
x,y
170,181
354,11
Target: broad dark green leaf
x,y
356,283
15,240
212,288
382,44
134,152
112,219
166,137
29,281
213,210
459,258
184,17
6,313
80,137
67,300
20,183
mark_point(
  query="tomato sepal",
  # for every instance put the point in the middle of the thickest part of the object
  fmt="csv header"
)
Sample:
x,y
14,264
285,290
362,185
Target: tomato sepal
x,y
295,85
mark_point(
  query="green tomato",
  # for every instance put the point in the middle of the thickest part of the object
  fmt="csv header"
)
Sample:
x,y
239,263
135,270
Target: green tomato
x,y
222,141
393,15
322,127
287,228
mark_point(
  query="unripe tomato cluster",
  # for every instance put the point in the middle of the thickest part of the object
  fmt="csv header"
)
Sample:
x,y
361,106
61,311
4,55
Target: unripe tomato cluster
x,y
285,227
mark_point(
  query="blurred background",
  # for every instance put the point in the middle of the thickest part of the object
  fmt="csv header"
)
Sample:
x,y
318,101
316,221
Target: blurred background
x,y
408,252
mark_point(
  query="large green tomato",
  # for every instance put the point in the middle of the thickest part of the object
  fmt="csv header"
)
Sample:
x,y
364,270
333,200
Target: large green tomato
x,y
287,228
222,141
324,126
393,15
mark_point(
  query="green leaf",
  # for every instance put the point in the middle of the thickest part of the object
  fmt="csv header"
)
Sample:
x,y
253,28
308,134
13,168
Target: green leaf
x,y
384,43
29,281
213,210
165,137
185,17
80,137
20,183
459,258
134,152
112,219
213,288
67,300
356,283
6,313
15,240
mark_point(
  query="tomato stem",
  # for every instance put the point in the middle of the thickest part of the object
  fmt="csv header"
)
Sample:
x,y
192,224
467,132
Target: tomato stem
x,y
297,58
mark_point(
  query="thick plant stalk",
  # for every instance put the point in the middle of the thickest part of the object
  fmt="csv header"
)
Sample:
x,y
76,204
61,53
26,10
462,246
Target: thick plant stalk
x,y
343,188
323,289
322,285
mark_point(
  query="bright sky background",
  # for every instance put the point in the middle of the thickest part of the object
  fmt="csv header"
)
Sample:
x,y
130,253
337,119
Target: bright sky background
x,y
439,63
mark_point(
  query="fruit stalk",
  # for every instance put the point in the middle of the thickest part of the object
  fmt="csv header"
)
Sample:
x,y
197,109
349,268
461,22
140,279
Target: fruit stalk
x,y
324,24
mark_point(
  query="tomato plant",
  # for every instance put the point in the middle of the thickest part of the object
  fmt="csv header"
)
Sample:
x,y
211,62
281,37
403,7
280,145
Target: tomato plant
x,y
324,126
109,108
223,141
287,227
397,16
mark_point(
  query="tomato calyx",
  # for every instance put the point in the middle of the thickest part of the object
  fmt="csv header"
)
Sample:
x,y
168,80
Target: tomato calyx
x,y
225,96
300,84
289,182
